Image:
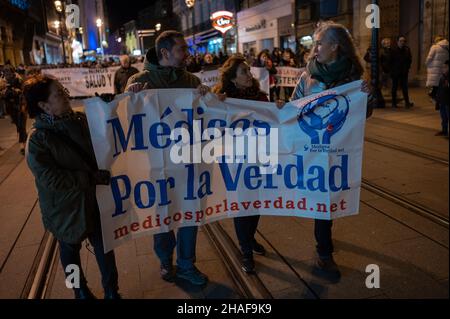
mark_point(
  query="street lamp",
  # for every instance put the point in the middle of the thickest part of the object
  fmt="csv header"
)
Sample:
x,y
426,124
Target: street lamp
x,y
190,4
59,10
99,23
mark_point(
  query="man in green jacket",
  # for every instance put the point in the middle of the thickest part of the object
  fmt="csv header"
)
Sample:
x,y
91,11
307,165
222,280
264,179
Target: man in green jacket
x,y
164,69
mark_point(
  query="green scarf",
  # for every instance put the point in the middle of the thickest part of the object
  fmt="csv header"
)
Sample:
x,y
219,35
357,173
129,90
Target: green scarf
x,y
332,73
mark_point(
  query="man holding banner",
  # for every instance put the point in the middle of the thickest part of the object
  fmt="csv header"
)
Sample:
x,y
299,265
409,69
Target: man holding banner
x,y
166,69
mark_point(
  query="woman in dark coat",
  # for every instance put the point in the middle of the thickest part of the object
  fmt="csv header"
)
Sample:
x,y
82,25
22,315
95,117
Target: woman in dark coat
x,y
61,158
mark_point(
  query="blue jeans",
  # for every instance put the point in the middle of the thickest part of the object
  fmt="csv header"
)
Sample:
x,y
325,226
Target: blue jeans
x,y
186,240
443,110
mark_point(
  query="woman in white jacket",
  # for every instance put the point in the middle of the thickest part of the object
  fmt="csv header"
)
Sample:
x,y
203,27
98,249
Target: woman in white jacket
x,y
435,61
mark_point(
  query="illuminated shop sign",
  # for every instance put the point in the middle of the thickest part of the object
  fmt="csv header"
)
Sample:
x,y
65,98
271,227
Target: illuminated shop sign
x,y
222,20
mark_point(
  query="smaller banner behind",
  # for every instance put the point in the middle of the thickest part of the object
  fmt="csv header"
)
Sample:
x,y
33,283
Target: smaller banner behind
x,y
82,82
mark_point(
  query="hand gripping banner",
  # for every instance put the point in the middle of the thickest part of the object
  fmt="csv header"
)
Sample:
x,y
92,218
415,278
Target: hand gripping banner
x,y
178,159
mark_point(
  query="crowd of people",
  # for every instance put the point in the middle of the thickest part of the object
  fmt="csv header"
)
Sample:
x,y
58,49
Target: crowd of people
x,y
61,156
395,62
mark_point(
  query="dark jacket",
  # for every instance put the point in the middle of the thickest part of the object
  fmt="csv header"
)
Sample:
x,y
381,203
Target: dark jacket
x,y
443,91
252,93
164,77
121,78
61,158
401,60
385,59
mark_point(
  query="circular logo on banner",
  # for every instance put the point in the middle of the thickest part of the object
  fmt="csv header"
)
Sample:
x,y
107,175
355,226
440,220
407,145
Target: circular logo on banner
x,y
222,20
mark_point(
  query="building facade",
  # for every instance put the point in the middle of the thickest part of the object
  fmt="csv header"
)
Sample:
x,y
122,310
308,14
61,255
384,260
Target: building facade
x,y
420,21
196,25
267,25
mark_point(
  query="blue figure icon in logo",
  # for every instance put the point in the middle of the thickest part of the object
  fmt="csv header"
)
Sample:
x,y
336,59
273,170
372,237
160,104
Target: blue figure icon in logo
x,y
326,113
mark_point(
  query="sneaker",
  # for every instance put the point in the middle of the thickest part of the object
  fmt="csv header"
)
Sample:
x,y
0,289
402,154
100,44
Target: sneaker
x,y
441,133
167,272
409,105
193,275
258,248
248,264
328,268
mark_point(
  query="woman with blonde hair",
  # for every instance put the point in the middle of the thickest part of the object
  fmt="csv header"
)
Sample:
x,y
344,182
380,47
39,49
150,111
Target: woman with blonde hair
x,y
333,62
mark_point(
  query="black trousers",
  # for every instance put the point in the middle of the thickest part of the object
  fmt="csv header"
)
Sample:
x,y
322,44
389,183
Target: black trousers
x,y
403,80
70,254
322,232
245,231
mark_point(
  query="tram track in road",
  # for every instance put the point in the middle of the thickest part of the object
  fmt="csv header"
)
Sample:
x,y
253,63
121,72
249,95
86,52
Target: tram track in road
x,y
436,159
37,285
250,286
407,203
413,207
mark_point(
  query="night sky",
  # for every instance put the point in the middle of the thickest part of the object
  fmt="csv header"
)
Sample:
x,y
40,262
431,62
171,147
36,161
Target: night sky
x,y
120,12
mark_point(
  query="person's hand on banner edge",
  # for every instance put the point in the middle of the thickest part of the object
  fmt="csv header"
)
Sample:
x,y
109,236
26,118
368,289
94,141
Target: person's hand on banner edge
x,y
102,177
365,87
203,89
106,97
137,87
280,104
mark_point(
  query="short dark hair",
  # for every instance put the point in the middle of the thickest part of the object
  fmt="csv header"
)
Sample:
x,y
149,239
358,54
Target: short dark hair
x,y
37,89
166,40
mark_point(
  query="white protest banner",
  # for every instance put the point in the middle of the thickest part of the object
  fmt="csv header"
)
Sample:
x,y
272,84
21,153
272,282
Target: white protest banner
x,y
87,81
210,78
303,160
287,76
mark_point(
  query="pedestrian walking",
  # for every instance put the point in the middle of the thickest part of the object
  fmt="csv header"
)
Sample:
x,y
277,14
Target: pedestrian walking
x,y
400,63
123,74
436,58
442,100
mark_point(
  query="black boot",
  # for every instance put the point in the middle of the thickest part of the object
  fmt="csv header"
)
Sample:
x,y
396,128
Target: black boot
x,y
248,264
328,269
84,293
112,294
258,248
